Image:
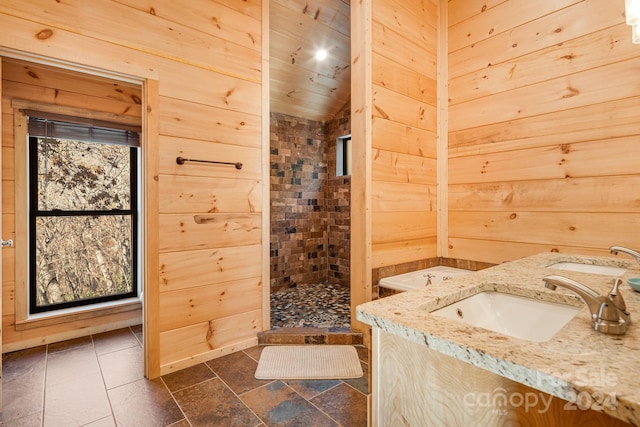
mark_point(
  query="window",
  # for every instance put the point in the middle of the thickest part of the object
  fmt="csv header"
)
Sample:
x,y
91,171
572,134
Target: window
x,y
343,156
83,213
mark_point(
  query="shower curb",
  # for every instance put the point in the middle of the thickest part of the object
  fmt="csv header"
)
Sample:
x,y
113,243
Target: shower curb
x,y
311,336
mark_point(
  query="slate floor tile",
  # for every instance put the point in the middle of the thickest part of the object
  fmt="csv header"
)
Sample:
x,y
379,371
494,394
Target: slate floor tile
x,y
76,402
211,403
311,388
97,381
237,370
144,403
187,377
23,386
278,405
122,366
119,339
343,396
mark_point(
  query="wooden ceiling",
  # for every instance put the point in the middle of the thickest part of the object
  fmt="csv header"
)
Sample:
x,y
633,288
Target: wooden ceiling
x,y
301,85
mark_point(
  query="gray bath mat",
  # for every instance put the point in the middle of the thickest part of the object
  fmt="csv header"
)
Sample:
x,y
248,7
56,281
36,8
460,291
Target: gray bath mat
x,y
308,362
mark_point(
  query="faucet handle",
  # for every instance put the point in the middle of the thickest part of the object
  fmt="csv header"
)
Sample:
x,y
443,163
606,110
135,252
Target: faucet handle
x,y
615,297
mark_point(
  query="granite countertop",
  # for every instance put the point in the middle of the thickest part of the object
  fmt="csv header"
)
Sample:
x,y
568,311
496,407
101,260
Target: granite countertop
x,y
577,363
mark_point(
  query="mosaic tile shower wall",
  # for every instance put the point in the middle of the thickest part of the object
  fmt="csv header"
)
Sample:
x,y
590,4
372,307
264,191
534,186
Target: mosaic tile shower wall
x,y
309,204
338,203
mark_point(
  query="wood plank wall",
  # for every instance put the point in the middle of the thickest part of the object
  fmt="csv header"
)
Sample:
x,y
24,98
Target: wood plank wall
x,y
207,58
394,127
361,114
544,124
46,85
404,125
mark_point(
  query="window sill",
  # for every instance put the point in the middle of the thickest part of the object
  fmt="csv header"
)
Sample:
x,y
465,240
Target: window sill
x,y
83,314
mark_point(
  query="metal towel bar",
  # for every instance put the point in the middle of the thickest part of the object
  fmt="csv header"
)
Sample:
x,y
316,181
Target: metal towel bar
x,y
182,160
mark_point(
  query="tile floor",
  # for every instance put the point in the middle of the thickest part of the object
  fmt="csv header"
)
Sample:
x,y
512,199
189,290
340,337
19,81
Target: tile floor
x,y
98,381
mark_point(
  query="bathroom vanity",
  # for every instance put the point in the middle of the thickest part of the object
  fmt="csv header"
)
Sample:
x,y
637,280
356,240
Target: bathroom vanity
x,y
428,369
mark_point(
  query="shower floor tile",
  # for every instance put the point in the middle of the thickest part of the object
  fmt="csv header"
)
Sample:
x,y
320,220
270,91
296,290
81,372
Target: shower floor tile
x,y
316,305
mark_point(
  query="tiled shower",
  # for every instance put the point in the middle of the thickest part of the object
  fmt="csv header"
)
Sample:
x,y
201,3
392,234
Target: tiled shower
x,y
309,204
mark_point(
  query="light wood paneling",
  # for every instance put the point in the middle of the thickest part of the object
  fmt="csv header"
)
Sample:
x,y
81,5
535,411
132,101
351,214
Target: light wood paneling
x,y
266,170
593,230
394,226
198,304
252,8
386,254
402,197
404,80
442,149
399,138
495,252
180,194
543,97
2,260
464,9
71,48
600,121
413,19
172,147
542,129
403,109
8,164
509,15
582,159
126,26
391,43
180,232
228,23
36,84
8,293
415,385
361,114
150,271
576,55
207,266
225,92
404,124
208,338
185,119
539,33
77,328
302,86
591,194
391,166
47,85
206,60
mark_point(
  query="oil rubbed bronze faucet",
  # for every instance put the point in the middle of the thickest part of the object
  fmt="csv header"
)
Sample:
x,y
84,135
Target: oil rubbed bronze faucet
x,y
609,314
634,254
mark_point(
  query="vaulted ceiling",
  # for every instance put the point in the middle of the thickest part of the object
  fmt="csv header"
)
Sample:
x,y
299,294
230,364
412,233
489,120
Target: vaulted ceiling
x,y
301,85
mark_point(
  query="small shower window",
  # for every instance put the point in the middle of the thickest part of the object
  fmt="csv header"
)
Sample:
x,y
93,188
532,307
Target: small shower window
x,y
343,155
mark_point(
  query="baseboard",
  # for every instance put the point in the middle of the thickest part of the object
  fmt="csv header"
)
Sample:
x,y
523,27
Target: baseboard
x,y
209,355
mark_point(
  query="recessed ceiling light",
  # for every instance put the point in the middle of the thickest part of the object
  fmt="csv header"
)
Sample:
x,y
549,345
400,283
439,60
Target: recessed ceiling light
x,y
321,55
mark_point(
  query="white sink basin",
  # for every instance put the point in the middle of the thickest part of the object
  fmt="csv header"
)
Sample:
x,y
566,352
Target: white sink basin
x,y
606,270
512,315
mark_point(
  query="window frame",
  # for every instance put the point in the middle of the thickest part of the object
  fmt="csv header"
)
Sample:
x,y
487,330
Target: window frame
x,y
34,213
343,155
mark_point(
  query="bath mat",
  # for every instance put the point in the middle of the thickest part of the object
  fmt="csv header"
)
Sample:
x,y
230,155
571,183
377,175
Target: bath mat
x,y
308,362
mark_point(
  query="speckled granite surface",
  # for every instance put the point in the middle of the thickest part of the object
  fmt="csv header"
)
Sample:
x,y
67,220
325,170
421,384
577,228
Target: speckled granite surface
x,y
578,364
